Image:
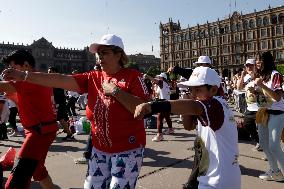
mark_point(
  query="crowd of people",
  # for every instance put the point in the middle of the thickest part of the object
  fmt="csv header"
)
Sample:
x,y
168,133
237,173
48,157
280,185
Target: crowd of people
x,y
116,144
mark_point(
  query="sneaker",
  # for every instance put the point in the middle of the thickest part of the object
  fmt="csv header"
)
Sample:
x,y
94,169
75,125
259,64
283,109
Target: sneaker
x,y
159,137
264,158
168,131
179,121
257,148
68,138
272,175
81,160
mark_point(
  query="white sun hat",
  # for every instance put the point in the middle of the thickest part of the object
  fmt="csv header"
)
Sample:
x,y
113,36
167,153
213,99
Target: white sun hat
x,y
203,60
250,61
163,75
202,76
108,39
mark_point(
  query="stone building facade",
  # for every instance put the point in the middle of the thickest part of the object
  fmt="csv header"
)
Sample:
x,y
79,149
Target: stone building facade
x,y
45,54
145,62
228,42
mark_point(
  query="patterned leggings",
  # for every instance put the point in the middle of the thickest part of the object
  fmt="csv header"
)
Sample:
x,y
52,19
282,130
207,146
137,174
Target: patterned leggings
x,y
114,170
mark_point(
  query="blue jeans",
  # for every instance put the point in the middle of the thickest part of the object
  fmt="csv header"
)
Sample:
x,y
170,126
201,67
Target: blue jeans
x,y
270,141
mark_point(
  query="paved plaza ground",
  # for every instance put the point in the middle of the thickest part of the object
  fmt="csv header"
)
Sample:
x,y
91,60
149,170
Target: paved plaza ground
x,y
166,164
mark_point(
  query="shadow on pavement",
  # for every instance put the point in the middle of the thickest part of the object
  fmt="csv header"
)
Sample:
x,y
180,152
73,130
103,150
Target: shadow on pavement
x,y
34,185
250,172
158,159
61,148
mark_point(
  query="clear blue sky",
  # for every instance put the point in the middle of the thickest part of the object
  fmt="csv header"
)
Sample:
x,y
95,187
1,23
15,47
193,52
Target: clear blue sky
x,y
78,23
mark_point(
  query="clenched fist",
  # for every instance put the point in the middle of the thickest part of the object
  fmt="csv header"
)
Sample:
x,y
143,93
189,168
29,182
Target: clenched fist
x,y
142,110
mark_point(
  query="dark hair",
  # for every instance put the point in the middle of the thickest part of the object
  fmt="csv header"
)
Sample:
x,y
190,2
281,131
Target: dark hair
x,y
19,57
53,69
208,86
267,65
123,59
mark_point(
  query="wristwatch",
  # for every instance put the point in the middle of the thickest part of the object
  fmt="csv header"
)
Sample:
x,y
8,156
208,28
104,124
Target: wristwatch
x,y
115,91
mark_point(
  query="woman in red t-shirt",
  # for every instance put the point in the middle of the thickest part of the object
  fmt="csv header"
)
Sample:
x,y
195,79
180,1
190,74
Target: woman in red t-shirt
x,y
113,93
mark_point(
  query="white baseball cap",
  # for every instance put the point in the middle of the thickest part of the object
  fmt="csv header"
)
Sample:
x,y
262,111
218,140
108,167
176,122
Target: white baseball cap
x,y
202,76
203,60
163,75
108,39
250,61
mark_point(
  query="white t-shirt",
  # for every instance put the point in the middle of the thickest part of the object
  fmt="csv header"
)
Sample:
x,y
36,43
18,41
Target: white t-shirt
x,y
275,83
220,143
165,92
251,91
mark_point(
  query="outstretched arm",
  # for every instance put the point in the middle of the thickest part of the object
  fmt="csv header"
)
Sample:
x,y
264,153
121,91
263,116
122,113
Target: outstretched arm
x,y
46,79
183,107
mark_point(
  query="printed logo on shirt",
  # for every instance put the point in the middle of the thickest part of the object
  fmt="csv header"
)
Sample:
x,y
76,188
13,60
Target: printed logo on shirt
x,y
132,139
143,85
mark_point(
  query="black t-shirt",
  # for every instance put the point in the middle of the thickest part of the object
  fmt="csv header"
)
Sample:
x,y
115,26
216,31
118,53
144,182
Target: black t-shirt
x,y
59,96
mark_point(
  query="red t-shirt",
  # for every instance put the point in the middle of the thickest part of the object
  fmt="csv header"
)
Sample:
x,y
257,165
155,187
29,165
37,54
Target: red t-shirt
x,y
35,105
113,127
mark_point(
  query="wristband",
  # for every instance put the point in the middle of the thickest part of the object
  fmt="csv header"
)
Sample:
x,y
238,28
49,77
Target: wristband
x,y
26,75
160,106
115,91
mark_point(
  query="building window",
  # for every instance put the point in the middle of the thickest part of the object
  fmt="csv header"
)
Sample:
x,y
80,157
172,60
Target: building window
x,y
221,30
278,30
225,39
281,18
265,21
264,44
251,23
238,48
274,19
238,59
250,35
214,51
177,56
245,24
196,35
175,38
211,31
250,46
214,41
194,44
194,53
279,43
227,29
239,26
215,30
225,60
206,33
233,27
263,32
259,22
279,55
237,37
225,49
202,34
203,42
